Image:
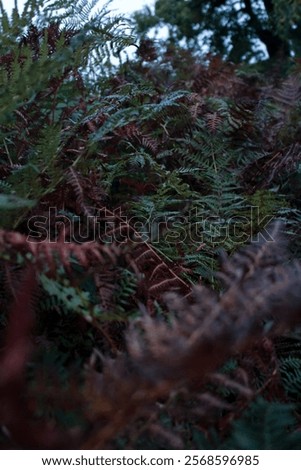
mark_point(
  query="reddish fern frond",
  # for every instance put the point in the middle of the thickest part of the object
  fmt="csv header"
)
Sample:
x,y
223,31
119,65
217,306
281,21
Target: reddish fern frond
x,y
213,121
121,232
165,285
106,286
196,104
133,132
159,275
130,131
33,38
221,379
49,253
202,335
147,50
263,171
87,191
149,143
288,94
218,79
159,270
76,183
138,187
5,170
145,256
259,255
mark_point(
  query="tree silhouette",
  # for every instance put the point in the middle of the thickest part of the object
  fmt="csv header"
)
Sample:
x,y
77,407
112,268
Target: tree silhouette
x,y
234,29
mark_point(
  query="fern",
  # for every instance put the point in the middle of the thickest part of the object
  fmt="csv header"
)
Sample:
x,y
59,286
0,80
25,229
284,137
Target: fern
x,y
291,376
265,426
122,189
72,299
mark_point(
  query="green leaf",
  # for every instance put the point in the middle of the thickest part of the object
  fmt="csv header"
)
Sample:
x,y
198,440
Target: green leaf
x,y
10,202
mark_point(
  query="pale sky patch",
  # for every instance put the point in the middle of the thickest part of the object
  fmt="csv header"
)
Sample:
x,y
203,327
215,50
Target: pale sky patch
x,y
120,6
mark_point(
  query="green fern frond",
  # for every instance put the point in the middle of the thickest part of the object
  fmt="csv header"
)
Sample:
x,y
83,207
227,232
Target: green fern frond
x,y
290,372
74,300
270,426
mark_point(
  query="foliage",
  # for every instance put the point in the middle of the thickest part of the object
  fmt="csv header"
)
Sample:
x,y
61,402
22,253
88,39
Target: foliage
x,y
141,265
235,30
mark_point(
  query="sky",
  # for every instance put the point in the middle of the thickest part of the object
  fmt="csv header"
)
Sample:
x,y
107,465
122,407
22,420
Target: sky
x,y
117,6
121,6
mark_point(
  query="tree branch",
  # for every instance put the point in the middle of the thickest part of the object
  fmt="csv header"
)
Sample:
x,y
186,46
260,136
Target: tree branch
x,y
276,46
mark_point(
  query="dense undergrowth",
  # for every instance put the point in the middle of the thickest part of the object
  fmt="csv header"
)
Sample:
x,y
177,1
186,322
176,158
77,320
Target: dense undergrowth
x,y
149,242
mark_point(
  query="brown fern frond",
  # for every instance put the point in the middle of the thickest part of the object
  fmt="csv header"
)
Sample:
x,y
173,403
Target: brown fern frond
x,y
201,337
147,50
288,94
106,286
223,380
75,182
261,173
165,285
149,143
160,276
130,132
49,253
196,104
34,36
241,120
144,256
213,121
261,254
218,79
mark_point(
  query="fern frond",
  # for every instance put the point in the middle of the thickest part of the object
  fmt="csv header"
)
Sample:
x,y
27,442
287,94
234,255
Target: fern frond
x,y
46,253
169,354
290,372
289,93
271,166
273,427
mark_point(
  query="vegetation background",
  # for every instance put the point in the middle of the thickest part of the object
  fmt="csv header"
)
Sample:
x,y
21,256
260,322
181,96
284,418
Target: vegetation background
x,y
150,226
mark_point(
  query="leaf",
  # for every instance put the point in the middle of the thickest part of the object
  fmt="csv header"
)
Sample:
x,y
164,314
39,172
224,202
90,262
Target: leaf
x,y
10,202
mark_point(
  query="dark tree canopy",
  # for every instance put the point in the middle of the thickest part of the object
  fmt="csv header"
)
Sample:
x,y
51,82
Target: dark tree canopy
x,y
235,29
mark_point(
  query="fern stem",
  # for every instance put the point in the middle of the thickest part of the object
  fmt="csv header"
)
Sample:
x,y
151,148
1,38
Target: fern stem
x,y
213,159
